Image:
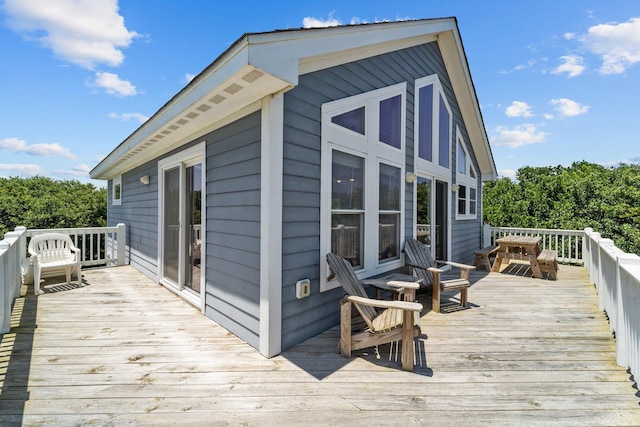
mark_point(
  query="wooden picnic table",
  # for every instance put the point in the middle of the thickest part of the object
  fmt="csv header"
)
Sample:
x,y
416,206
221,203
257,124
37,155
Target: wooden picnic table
x,y
524,248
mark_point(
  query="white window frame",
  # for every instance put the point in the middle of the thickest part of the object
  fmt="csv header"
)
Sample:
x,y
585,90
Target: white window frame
x,y
116,183
432,167
374,152
183,159
465,179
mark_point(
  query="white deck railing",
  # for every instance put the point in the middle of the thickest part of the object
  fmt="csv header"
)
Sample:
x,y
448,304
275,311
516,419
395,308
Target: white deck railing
x,y
567,243
616,276
12,250
99,245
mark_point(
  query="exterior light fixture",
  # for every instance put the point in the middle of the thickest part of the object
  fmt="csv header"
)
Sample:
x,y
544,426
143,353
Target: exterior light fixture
x,y
144,179
410,177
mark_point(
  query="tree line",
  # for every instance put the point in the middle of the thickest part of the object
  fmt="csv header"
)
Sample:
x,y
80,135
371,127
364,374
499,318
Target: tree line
x,y
41,202
582,195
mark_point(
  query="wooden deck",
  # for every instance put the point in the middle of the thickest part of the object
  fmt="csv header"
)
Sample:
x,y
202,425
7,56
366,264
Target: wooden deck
x,y
124,351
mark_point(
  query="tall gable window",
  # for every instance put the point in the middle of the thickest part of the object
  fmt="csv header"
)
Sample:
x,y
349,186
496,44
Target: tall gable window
x,y
433,126
467,194
362,195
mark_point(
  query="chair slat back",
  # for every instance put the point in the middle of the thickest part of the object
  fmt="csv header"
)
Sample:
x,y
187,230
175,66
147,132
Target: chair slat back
x,y
350,283
51,247
418,254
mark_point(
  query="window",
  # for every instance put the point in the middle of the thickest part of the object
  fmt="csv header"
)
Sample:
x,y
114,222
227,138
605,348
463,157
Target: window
x,y
467,183
363,158
433,127
352,120
347,206
116,196
389,212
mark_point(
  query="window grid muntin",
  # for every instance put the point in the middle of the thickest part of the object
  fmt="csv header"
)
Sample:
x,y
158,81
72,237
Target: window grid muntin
x,y
333,137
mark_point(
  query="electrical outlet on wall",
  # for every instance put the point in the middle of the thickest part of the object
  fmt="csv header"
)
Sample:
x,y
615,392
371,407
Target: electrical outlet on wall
x,y
303,288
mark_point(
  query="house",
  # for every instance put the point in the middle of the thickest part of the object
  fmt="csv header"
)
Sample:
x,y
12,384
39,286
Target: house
x,y
295,143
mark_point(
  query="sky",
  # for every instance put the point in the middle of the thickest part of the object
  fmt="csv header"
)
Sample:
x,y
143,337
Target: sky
x,y
557,81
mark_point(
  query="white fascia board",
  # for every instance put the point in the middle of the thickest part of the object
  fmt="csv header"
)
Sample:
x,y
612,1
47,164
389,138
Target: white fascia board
x,y
288,54
456,64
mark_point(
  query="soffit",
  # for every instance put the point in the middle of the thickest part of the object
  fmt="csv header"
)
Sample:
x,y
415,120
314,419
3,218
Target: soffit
x,y
189,118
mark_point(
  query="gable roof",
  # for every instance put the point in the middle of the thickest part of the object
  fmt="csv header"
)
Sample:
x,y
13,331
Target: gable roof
x,y
262,64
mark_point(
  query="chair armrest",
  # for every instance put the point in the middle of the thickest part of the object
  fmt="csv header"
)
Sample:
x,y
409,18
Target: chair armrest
x,y
462,266
399,305
405,285
435,270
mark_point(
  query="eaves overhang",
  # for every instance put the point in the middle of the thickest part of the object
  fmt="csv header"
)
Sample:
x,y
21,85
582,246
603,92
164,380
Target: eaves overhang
x,y
226,87
265,64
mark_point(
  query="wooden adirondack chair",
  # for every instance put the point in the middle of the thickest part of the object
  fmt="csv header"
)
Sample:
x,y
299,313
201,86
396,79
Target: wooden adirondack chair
x,y
419,258
386,321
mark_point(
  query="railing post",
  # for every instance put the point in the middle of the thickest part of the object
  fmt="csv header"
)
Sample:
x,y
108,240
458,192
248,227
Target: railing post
x,y
11,255
486,235
121,243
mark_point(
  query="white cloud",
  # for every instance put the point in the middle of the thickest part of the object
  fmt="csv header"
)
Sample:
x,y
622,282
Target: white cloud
x,y
331,21
569,36
21,169
573,65
125,117
508,173
517,136
80,170
188,77
519,109
568,108
530,63
113,85
18,145
617,44
83,32
310,22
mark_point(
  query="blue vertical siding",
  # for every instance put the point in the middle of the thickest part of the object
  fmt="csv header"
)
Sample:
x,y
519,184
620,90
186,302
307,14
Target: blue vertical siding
x,y
232,224
139,212
301,193
233,227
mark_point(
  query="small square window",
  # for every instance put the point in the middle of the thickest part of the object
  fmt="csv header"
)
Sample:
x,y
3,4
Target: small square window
x,y
117,191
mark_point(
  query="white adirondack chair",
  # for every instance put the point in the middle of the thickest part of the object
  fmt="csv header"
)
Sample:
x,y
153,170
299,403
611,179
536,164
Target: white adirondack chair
x,y
51,251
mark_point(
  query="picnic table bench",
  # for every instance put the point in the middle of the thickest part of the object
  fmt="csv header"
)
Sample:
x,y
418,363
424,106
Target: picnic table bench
x,y
483,255
548,262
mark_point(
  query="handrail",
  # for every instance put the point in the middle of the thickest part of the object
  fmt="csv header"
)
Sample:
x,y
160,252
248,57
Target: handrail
x,y
567,243
99,245
12,250
616,276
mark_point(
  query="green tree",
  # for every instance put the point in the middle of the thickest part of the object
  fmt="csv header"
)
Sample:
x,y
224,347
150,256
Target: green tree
x,y
582,195
41,202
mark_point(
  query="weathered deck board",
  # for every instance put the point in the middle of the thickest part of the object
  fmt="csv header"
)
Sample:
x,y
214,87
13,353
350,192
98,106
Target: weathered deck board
x,y
123,351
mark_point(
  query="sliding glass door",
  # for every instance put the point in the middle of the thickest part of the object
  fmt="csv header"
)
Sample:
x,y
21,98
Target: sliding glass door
x,y
180,198
432,215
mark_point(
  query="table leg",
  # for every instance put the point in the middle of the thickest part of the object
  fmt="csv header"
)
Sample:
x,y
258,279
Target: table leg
x,y
535,267
497,262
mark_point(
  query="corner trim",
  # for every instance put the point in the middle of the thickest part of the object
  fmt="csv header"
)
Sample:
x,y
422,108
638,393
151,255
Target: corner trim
x,y
271,157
